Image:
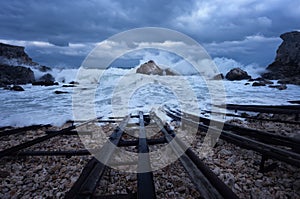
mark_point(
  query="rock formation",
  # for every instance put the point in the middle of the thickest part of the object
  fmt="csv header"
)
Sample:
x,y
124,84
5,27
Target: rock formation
x,y
237,74
14,63
287,62
16,53
15,75
151,68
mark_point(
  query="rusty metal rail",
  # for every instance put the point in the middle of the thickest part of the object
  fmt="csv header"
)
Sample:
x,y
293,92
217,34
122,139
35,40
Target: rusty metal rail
x,y
205,181
232,136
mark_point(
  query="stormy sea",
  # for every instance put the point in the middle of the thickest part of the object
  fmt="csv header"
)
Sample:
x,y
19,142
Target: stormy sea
x,y
54,104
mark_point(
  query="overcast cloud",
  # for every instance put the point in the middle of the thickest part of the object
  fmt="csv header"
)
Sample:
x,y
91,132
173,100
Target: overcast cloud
x,y
62,32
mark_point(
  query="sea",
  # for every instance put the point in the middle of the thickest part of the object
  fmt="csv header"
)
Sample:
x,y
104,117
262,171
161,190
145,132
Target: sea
x,y
121,91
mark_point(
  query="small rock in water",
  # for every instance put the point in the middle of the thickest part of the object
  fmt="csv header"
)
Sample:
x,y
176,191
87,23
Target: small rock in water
x,y
60,92
16,88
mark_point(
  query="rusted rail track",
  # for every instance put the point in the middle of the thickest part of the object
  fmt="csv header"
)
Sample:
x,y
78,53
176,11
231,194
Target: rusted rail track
x,y
259,141
205,181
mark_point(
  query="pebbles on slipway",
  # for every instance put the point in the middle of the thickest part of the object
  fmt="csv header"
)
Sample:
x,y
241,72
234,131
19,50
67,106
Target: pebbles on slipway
x,y
53,176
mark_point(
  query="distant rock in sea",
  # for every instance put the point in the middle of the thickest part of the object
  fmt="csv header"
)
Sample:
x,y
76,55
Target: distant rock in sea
x,y
219,76
286,66
151,68
237,74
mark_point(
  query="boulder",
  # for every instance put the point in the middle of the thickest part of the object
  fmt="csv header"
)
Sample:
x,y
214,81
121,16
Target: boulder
x,y
73,82
237,74
258,84
287,61
16,88
47,78
151,68
15,75
218,77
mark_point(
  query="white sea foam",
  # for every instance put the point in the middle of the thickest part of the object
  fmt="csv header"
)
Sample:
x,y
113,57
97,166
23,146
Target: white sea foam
x,y
40,105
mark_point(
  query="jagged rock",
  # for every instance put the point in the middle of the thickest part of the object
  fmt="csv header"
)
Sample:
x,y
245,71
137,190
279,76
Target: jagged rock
x,y
60,92
287,61
237,74
151,68
16,56
15,75
47,78
16,88
258,84
218,77
11,52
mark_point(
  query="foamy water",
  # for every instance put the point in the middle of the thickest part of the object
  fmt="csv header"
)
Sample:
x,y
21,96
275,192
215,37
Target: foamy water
x,y
40,105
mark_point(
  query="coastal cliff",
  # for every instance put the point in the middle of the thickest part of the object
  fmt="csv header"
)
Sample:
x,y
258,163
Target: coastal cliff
x,y
286,66
16,66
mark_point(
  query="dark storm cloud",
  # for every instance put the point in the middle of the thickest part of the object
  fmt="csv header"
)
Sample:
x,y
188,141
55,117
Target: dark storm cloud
x,y
217,24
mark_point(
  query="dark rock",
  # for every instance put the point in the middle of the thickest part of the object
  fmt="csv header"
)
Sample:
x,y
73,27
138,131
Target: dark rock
x,y
16,56
287,61
16,88
237,74
73,82
151,68
47,78
291,80
17,53
247,83
294,101
15,75
72,85
218,77
279,87
42,83
258,84
260,81
60,92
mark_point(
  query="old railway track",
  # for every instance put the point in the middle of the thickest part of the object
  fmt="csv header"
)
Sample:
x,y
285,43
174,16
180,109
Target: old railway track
x,y
205,181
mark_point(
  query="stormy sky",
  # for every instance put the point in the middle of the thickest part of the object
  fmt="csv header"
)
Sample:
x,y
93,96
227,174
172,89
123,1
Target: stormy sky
x,y
63,32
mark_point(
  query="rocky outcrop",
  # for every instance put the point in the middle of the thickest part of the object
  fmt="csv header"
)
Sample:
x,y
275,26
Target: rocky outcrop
x,y
16,53
15,75
287,62
14,63
237,74
151,68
